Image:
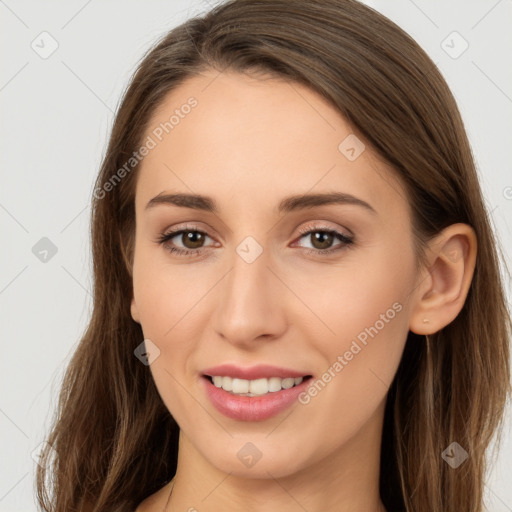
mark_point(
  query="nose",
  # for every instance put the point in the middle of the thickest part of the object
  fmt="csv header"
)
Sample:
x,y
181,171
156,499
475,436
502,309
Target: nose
x,y
250,302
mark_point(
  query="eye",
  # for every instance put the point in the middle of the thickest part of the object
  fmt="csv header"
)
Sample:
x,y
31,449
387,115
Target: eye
x,y
322,239
193,239
190,237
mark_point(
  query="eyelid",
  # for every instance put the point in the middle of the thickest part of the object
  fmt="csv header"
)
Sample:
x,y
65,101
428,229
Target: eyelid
x,y
346,239
304,230
175,231
186,227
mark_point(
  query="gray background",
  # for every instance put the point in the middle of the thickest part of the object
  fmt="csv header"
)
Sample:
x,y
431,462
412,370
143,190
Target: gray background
x,y
56,116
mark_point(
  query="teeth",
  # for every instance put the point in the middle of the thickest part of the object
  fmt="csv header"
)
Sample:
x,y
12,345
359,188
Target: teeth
x,y
255,387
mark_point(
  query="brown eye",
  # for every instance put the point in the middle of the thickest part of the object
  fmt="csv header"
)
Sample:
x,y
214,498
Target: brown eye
x,y
322,240
192,239
184,241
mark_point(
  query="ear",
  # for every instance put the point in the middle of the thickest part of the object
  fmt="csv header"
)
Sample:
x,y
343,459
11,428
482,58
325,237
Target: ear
x,y
443,286
134,311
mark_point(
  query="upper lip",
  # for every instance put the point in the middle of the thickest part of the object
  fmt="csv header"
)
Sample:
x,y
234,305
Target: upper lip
x,y
259,371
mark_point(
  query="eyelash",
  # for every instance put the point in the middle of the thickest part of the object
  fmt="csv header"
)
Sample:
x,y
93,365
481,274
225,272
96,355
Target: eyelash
x,y
307,230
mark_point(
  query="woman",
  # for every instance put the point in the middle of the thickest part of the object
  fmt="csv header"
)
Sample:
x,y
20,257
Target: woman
x,y
297,301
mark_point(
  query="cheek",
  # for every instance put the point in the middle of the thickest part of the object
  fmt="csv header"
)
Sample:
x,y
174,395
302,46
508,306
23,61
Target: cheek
x,y
168,300
171,299
366,311
360,296
165,293
361,360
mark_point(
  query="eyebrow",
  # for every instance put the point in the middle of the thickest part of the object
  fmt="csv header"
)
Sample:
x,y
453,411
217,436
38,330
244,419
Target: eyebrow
x,y
288,204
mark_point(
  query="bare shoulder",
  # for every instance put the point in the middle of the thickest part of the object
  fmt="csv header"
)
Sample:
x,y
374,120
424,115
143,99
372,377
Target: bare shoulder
x,y
155,502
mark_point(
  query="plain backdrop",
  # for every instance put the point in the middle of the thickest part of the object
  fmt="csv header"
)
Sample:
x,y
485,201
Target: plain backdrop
x,y
56,113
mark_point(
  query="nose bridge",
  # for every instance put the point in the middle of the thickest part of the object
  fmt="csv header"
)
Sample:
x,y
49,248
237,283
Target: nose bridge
x,y
248,261
248,280
246,308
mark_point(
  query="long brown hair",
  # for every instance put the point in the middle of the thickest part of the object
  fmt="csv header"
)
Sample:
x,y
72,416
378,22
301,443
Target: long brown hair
x,y
113,439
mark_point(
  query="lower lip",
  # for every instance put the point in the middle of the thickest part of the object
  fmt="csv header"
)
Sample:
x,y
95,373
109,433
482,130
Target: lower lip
x,y
253,408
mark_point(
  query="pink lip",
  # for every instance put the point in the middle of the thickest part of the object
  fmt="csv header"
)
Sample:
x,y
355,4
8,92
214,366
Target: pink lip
x,y
260,371
252,408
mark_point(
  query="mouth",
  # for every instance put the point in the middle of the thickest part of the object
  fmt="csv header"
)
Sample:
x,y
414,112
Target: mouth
x,y
255,387
256,399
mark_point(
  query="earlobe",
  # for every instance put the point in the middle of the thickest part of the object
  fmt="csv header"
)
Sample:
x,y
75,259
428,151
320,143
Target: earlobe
x,y
134,311
443,288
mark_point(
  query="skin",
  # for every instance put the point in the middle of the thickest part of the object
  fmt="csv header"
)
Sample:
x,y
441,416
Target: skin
x,y
250,142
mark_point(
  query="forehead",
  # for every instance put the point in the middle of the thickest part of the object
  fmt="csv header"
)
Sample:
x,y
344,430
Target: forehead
x,y
258,138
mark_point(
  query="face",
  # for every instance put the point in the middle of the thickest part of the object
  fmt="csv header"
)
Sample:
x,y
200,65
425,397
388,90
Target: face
x,y
317,288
